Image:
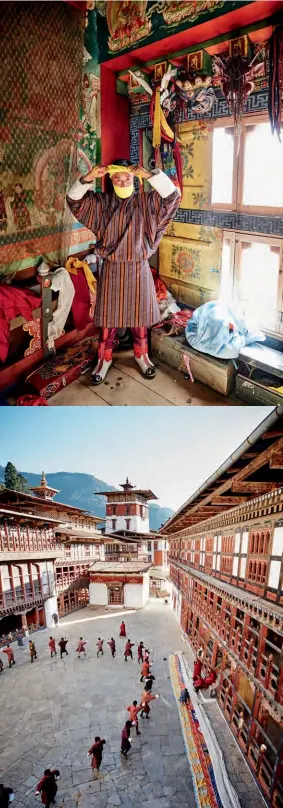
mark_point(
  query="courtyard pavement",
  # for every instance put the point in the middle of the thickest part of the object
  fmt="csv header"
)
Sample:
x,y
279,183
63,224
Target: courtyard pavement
x,y
52,710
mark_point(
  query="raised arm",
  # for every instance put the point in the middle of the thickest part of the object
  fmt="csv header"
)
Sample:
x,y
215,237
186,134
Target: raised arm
x,y
83,202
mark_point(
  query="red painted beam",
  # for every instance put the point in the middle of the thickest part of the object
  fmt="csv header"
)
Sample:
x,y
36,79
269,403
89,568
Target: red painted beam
x,y
115,143
239,18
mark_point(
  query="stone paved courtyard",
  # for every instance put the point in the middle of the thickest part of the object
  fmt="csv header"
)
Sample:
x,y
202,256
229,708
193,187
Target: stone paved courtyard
x,y
51,711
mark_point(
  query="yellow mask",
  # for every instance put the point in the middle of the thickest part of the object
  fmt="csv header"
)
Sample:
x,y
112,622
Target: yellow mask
x,y
123,193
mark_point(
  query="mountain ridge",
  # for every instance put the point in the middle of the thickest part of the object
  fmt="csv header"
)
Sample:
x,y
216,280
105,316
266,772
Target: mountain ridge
x,y
83,491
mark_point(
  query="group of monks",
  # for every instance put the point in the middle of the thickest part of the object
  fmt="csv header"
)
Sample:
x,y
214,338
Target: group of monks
x,y
11,657
202,682
134,709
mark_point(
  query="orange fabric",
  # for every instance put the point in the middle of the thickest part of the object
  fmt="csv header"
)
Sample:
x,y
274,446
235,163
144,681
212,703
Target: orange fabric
x,y
133,711
147,697
160,288
10,653
145,669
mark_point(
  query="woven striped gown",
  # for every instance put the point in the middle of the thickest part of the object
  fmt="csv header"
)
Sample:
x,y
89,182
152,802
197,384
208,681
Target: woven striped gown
x,y
128,232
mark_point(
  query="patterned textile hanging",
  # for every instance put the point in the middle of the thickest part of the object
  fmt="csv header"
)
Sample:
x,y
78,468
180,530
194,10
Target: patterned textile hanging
x,y
275,88
40,90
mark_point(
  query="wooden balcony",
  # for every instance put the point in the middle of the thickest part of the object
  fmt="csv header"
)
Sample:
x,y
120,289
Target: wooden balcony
x,y
24,598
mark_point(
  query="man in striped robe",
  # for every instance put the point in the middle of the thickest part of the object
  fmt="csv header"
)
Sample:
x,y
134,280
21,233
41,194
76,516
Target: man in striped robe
x,y
128,227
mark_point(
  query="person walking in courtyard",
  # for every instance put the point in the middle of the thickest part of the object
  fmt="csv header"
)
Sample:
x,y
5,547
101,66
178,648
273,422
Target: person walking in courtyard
x,y
47,786
140,652
149,682
99,646
133,710
128,649
146,655
145,670
112,646
145,701
96,750
123,629
10,655
125,738
32,650
6,795
52,646
20,640
63,646
81,647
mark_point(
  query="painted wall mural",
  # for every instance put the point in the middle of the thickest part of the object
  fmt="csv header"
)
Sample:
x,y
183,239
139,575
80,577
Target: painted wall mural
x,y
125,25
89,134
40,99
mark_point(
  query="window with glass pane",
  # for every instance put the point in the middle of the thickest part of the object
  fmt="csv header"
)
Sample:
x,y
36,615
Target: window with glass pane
x,y
257,270
263,167
222,165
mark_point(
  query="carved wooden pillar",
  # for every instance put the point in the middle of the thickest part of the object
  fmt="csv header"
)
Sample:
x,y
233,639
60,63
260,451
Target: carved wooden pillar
x,y
261,648
46,305
2,596
21,574
6,534
11,576
24,623
28,547
31,578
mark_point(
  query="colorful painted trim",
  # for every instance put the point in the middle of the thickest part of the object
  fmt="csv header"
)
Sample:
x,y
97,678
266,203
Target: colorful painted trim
x,y
205,789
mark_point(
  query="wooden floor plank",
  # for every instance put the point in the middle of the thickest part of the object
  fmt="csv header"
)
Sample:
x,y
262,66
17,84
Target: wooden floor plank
x,y
172,385
125,386
76,395
120,390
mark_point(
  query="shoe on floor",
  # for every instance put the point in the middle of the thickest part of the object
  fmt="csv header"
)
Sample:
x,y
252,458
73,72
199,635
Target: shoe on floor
x,y
100,372
147,367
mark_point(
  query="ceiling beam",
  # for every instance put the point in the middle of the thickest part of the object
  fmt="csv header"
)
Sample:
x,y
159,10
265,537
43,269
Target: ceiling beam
x,y
251,487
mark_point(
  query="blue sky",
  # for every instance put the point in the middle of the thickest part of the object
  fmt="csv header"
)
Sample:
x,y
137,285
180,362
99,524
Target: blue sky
x,y
171,450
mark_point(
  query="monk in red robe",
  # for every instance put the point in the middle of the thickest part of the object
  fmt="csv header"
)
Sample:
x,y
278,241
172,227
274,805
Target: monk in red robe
x,y
145,670
128,650
63,647
133,710
112,646
128,227
140,652
52,646
48,787
96,750
145,701
206,682
10,655
197,669
81,647
125,738
123,629
99,646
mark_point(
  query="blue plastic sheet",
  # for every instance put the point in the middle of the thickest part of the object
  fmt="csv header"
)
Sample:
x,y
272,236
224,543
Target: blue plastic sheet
x,y
220,331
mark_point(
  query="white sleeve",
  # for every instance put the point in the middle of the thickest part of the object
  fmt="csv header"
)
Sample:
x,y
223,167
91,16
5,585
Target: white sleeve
x,y
162,184
79,189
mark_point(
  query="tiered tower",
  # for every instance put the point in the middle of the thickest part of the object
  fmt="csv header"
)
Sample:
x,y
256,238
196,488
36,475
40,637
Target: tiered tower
x,y
44,491
127,509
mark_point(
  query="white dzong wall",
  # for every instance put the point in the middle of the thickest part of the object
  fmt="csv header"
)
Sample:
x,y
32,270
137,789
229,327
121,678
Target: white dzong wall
x,y
50,608
98,594
127,522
